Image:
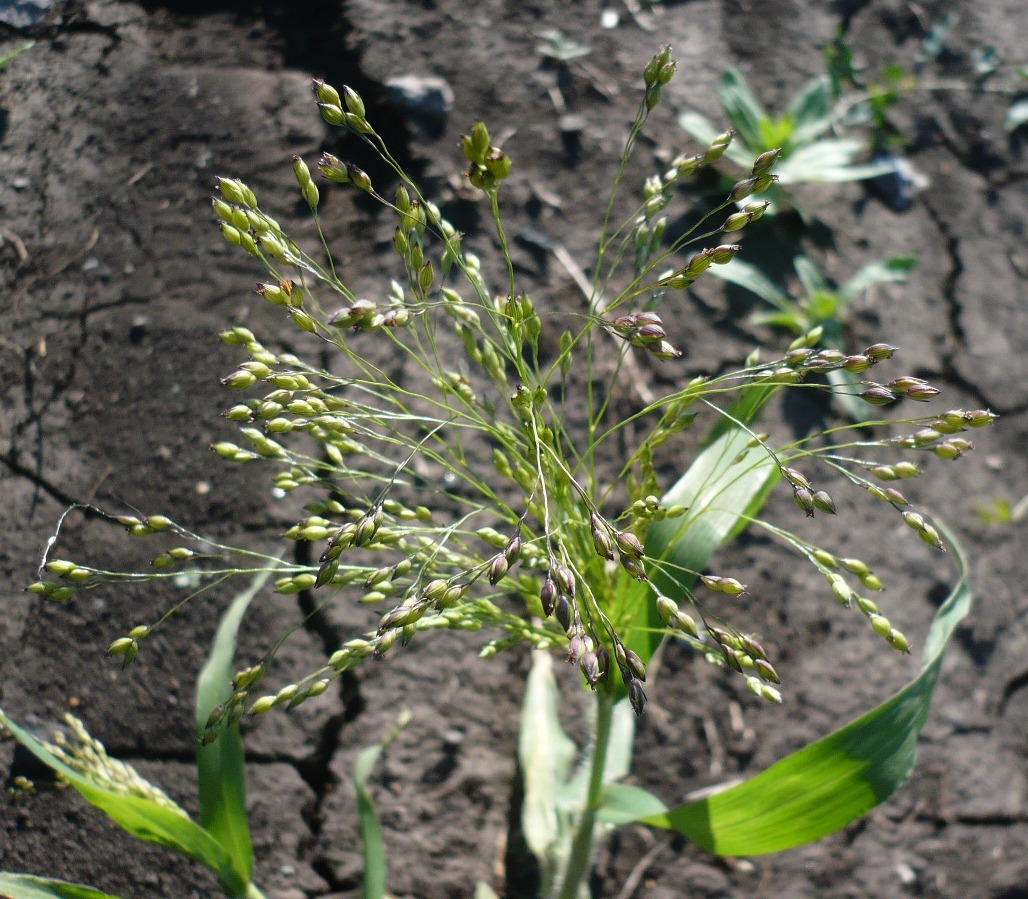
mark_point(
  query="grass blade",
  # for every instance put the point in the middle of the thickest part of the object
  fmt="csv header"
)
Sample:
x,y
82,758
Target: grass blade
x,y
220,766
27,886
545,754
742,108
726,485
141,817
828,784
376,870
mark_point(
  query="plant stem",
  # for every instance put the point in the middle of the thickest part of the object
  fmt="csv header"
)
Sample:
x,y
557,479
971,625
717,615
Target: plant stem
x,y
581,846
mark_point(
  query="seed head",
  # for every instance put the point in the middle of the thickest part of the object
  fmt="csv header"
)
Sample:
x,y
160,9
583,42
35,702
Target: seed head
x,y
877,395
564,612
548,596
636,695
804,499
823,502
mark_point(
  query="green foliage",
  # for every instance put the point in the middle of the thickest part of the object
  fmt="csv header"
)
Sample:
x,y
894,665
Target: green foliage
x,y
375,866
8,58
1002,511
822,305
221,841
25,886
805,133
141,815
220,761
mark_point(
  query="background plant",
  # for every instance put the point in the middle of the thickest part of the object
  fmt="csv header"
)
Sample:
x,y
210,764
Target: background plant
x,y
822,305
805,133
595,563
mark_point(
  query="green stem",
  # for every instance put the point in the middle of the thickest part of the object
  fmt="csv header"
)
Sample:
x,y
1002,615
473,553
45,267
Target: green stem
x,y
253,893
582,845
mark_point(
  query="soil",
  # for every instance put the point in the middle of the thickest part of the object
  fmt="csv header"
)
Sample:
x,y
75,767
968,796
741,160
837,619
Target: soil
x,y
115,283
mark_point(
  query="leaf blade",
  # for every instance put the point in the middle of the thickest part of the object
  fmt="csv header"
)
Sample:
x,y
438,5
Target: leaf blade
x,y
142,818
28,886
221,765
832,782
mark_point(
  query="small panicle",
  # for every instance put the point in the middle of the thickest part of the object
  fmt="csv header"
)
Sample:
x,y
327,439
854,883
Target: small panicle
x,y
645,329
489,164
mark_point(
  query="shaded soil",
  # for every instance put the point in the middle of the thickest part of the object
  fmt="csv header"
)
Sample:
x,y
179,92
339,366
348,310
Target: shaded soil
x,y
113,283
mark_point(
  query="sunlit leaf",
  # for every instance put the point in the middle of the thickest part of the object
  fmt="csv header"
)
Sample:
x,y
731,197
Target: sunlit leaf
x,y
745,274
883,271
810,110
725,485
141,817
376,870
828,784
811,277
545,753
744,111
15,53
623,803
1017,116
26,886
701,130
220,765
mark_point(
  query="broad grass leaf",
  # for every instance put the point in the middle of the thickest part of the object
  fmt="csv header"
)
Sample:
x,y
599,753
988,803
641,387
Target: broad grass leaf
x,y
745,274
616,764
27,886
545,754
623,804
893,270
1017,116
829,160
810,110
811,277
376,871
726,485
15,53
828,784
143,818
221,765
743,109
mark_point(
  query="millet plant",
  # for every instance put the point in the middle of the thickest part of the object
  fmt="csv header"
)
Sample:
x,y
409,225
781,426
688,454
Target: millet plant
x,y
539,545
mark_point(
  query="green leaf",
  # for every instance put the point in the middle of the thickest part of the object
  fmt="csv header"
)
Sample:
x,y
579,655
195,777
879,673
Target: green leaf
x,y
15,53
847,397
26,886
143,818
811,277
829,160
745,274
743,109
220,765
1017,116
810,110
545,754
828,784
376,870
618,761
794,320
623,803
726,485
893,270
701,130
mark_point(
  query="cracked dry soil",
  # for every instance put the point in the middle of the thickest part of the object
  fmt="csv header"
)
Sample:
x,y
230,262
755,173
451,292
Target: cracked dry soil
x,y
114,283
